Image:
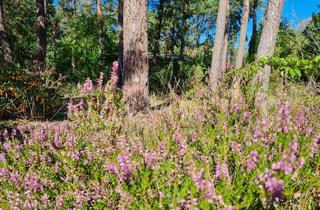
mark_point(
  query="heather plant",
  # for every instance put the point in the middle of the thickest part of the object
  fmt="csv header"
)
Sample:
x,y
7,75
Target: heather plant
x,y
212,152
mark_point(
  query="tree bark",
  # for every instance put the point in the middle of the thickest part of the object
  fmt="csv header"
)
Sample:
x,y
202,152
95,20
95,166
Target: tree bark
x,y
215,71
184,28
224,58
120,59
101,34
266,48
269,36
243,34
253,40
135,55
41,34
7,55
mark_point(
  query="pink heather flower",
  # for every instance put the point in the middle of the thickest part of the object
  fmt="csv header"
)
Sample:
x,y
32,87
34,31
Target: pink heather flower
x,y
315,146
283,117
198,179
309,131
34,184
2,158
125,164
299,166
193,136
6,146
246,117
252,160
123,195
59,202
88,86
236,107
71,109
100,81
300,121
221,170
45,201
150,158
275,186
115,74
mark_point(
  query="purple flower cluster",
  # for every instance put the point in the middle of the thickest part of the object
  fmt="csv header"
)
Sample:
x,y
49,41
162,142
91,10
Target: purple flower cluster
x,y
283,117
315,146
289,162
271,184
252,160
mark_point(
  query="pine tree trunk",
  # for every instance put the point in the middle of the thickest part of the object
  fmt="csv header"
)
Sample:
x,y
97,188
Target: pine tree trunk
x,y
215,71
120,59
135,55
269,36
41,34
7,55
266,48
101,35
253,41
224,58
243,34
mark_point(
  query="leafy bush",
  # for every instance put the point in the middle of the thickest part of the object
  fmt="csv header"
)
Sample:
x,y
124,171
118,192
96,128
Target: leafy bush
x,y
28,94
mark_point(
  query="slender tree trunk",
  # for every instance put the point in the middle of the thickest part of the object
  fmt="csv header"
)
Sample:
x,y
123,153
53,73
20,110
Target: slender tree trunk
x,y
269,36
101,34
7,55
224,57
215,71
135,55
254,39
267,47
74,5
243,34
184,26
120,59
158,29
41,34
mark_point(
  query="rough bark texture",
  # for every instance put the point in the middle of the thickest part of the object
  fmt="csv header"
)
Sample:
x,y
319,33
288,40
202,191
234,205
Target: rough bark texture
x,y
243,34
135,55
253,40
269,36
41,34
215,71
7,55
224,54
101,34
266,48
120,59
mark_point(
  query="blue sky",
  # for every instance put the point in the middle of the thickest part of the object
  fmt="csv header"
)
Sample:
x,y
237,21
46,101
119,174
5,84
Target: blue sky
x,y
297,10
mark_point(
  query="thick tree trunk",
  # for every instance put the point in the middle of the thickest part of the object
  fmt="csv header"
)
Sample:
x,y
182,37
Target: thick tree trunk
x,y
101,34
253,41
41,34
7,55
158,29
243,34
135,55
215,71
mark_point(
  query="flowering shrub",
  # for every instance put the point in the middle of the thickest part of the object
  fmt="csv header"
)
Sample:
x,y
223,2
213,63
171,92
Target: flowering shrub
x,y
199,154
